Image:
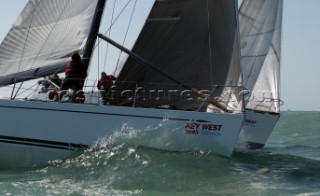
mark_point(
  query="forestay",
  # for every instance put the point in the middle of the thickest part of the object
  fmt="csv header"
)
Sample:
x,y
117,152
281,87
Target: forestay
x,y
196,43
260,30
43,38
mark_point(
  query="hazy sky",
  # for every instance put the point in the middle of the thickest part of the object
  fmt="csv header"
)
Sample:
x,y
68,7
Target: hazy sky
x,y
300,50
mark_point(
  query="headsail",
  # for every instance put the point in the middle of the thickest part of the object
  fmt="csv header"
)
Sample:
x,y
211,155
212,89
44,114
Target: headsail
x,y
195,42
260,31
43,37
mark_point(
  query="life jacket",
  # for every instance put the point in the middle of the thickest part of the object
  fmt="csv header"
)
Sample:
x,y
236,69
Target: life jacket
x,y
106,81
77,71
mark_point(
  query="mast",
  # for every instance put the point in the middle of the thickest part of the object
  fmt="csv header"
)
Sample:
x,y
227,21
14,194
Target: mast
x,y
88,49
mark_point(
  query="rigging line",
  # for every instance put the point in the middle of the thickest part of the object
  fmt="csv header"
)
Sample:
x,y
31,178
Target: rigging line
x,y
88,49
213,74
27,36
116,19
276,28
22,53
66,38
107,49
125,37
258,30
261,33
27,89
98,60
98,56
210,49
156,68
60,14
14,97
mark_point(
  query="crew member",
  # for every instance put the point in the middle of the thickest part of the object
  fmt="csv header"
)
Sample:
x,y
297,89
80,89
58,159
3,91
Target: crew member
x,y
104,85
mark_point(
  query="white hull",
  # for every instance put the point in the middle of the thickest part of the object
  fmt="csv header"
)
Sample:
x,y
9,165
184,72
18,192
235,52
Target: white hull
x,y
36,132
256,129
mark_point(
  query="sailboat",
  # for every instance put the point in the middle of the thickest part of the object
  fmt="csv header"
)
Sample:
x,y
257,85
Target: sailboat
x,y
260,35
178,90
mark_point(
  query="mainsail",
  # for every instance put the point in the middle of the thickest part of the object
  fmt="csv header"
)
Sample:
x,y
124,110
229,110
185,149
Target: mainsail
x,y
43,38
260,31
196,43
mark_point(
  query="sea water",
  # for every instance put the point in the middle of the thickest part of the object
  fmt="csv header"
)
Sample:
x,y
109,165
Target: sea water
x,y
288,165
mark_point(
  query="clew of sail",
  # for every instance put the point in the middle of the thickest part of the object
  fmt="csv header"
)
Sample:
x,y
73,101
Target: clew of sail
x,y
196,43
43,37
260,32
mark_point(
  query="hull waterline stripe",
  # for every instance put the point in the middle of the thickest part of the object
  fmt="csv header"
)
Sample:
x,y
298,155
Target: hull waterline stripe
x,y
42,143
101,113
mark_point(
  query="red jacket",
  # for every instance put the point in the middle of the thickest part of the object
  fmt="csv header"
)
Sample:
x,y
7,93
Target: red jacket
x,y
106,82
78,71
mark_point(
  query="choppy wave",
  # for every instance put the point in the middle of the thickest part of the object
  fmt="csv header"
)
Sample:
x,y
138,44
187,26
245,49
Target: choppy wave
x,y
288,165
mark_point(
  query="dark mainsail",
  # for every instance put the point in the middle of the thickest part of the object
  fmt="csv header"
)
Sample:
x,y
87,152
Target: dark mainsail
x,y
195,42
